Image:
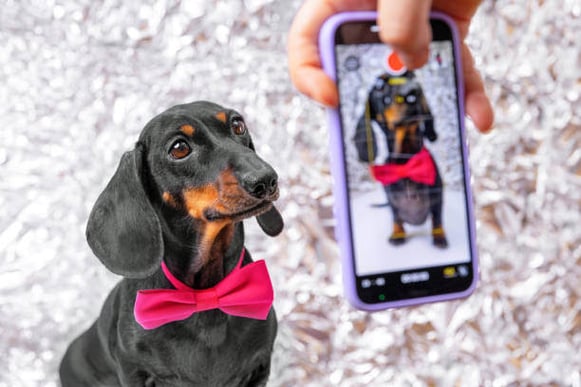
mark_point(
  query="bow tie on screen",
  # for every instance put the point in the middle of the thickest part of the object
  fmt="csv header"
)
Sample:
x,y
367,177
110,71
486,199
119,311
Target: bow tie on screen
x,y
244,292
419,168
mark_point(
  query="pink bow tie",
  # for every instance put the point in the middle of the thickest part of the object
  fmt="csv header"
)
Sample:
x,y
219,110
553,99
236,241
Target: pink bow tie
x,y
244,292
420,168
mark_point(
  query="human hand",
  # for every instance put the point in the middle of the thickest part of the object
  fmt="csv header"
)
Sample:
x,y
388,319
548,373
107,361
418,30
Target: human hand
x,y
404,25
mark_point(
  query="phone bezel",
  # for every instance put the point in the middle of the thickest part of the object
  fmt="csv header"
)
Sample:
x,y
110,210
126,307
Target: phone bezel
x,y
443,29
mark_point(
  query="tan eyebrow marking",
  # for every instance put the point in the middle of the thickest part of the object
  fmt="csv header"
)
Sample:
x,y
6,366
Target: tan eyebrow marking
x,y
188,130
221,116
169,199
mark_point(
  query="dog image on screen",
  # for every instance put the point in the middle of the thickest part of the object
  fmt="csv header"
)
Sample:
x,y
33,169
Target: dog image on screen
x,y
193,308
397,106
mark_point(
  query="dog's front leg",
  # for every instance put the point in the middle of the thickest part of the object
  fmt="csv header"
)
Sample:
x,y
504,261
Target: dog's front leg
x,y
131,376
398,235
438,234
259,375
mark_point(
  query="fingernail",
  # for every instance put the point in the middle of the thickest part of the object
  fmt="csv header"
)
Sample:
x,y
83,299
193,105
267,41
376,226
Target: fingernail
x,y
415,60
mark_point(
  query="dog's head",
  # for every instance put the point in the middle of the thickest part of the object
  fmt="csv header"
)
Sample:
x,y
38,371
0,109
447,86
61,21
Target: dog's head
x,y
399,103
196,159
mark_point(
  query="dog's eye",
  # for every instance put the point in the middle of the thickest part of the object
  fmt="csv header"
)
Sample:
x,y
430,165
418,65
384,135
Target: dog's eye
x,y
411,98
180,149
238,126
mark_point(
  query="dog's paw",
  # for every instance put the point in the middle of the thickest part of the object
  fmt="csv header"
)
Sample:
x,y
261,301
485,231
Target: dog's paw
x,y
397,239
439,238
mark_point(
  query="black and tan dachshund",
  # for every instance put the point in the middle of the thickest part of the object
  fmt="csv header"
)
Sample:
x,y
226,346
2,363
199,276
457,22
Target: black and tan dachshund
x,y
179,197
409,175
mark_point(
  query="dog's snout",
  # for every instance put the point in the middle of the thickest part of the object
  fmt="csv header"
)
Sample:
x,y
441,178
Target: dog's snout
x,y
261,184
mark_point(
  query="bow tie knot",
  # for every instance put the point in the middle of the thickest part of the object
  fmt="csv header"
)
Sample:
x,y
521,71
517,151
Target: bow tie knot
x,y
244,292
207,299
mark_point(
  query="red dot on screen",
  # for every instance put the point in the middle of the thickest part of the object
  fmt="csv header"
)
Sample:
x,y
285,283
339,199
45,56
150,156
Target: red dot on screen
x,y
394,63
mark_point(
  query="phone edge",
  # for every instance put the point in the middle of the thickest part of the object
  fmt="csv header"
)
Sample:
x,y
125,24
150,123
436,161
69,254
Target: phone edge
x,y
340,208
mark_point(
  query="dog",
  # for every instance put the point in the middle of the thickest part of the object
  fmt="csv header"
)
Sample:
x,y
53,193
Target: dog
x,y
172,216
409,175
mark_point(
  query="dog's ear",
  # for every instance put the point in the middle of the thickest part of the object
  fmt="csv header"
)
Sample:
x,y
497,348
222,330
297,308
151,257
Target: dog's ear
x,y
271,222
364,138
123,229
427,125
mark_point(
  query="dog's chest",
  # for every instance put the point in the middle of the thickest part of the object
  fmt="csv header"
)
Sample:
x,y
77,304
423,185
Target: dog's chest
x,y
209,349
411,200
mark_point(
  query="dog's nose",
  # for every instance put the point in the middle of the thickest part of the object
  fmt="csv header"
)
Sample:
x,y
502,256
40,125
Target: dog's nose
x,y
261,185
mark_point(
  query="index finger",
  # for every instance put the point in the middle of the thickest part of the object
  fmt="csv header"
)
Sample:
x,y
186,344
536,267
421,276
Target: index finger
x,y
405,26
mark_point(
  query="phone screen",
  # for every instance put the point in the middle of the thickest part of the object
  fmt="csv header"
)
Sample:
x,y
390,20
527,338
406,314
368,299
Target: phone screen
x,y
406,176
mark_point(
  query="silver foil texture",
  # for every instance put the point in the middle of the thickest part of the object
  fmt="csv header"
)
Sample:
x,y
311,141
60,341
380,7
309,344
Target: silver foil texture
x,y
78,81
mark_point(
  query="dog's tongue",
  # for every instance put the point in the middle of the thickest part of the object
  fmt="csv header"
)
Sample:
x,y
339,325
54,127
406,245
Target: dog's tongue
x,y
271,222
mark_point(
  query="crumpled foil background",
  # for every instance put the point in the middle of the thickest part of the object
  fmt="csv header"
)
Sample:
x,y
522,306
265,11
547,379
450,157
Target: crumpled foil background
x,y
78,81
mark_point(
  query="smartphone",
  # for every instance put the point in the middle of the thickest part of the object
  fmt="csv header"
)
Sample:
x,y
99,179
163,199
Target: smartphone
x,y
403,202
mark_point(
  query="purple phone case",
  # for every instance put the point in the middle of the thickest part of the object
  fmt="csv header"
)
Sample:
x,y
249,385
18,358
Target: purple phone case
x,y
342,230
